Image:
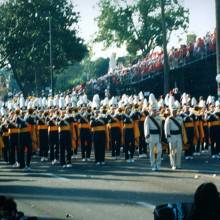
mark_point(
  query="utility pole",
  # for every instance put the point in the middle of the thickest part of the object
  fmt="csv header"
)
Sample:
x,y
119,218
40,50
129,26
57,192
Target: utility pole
x,y
217,6
51,55
166,62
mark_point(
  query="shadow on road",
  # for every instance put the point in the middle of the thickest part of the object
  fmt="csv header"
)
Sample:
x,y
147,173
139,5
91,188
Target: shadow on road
x,y
90,195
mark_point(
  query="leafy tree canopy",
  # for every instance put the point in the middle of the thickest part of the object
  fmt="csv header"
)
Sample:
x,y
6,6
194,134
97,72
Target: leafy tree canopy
x,y
138,25
80,73
24,39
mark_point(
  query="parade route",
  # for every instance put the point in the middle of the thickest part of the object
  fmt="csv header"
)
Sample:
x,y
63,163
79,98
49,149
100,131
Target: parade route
x,y
116,190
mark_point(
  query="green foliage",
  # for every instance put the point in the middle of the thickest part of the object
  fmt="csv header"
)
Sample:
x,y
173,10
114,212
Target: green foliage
x,y
101,67
191,38
80,73
24,39
138,25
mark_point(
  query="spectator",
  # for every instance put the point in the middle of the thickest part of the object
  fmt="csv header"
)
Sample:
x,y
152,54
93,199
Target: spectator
x,y
153,62
8,210
206,206
206,203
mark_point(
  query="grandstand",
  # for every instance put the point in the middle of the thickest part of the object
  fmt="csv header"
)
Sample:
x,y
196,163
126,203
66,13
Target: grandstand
x,y
193,70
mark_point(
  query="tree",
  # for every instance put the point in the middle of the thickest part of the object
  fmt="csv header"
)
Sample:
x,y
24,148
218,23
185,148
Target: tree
x,y
191,38
81,72
24,39
138,25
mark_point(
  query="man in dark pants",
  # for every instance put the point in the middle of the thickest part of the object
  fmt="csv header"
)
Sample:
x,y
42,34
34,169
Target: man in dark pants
x,y
114,133
85,134
214,131
128,136
73,129
53,139
98,125
43,136
190,131
142,142
14,139
5,139
65,142
25,143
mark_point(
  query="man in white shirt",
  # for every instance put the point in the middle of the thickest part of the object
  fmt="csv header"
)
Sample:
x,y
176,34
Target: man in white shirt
x,y
173,132
152,132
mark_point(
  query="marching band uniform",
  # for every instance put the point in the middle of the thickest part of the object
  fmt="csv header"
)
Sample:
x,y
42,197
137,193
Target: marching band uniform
x,y
129,140
142,142
98,126
43,136
200,138
14,141
53,139
25,143
65,142
173,131
85,135
152,132
73,127
31,120
189,125
115,135
214,131
5,139
135,116
205,145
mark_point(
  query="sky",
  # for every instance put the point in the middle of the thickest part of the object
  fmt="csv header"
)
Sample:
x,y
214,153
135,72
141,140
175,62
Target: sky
x,y
201,20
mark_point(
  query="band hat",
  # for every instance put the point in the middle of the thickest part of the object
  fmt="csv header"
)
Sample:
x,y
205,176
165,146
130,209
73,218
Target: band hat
x,y
172,104
202,104
141,96
154,106
105,102
161,103
152,99
193,102
166,100
217,104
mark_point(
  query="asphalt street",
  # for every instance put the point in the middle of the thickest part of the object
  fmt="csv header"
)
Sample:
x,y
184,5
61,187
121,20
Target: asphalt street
x,y
116,190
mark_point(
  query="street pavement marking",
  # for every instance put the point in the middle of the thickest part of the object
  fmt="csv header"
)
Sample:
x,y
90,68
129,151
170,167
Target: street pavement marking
x,y
205,172
146,205
57,177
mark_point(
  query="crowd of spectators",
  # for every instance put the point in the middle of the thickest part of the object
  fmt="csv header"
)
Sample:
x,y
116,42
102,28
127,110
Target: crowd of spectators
x,y
153,62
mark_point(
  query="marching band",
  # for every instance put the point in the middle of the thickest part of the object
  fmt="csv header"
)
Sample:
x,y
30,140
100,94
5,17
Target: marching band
x,y
55,128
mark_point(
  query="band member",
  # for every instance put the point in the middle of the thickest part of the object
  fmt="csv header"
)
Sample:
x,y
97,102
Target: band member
x,y
43,135
135,116
25,143
31,120
73,127
191,131
199,125
5,139
14,139
114,126
142,142
99,129
128,133
214,129
65,141
85,134
174,133
152,131
53,138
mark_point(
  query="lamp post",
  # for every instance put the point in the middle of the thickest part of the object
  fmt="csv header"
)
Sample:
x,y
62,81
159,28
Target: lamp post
x,y
218,85
217,6
51,54
166,62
